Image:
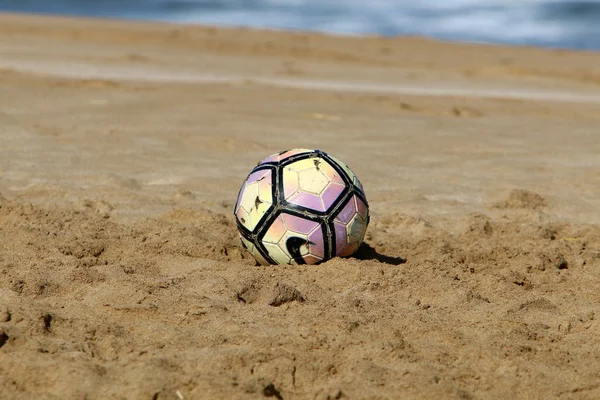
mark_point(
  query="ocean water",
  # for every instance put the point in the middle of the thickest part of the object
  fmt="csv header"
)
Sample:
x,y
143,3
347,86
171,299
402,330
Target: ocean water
x,y
550,23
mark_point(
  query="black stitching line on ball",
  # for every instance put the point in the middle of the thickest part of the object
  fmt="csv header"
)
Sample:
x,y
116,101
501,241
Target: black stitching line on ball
x,y
270,218
329,239
297,157
338,169
359,192
331,222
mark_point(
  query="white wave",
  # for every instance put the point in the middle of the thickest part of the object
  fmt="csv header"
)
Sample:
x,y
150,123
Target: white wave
x,y
496,21
474,20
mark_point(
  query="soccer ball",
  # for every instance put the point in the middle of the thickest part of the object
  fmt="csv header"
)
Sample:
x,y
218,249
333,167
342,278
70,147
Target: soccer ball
x,y
301,207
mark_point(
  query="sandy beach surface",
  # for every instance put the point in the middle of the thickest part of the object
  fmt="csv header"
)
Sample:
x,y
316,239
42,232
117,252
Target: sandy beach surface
x,y
123,146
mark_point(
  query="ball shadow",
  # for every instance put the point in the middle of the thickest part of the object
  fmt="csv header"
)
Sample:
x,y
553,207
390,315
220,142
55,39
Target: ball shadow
x,y
368,252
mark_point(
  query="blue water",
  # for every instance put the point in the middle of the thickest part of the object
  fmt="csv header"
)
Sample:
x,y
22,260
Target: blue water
x,y
551,23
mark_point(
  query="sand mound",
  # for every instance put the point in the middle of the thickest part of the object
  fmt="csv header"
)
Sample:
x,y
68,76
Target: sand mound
x,y
519,198
129,309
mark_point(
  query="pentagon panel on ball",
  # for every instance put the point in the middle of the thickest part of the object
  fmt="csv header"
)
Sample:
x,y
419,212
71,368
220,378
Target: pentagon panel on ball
x,y
301,206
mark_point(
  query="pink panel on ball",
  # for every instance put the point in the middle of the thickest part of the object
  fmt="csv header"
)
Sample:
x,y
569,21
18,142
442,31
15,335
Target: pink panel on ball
x,y
316,245
331,193
271,158
298,224
263,174
336,178
347,213
341,239
308,200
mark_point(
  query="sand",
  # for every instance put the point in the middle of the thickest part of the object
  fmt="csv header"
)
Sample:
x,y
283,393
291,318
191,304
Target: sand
x,y
123,146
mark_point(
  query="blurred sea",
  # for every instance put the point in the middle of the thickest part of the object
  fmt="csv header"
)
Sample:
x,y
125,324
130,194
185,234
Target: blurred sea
x,y
550,23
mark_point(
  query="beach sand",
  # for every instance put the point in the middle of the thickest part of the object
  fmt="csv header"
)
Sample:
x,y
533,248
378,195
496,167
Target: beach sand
x,y
123,146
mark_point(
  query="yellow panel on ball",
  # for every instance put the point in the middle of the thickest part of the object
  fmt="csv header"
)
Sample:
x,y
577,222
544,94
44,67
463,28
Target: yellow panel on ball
x,y
312,181
278,255
255,199
301,165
